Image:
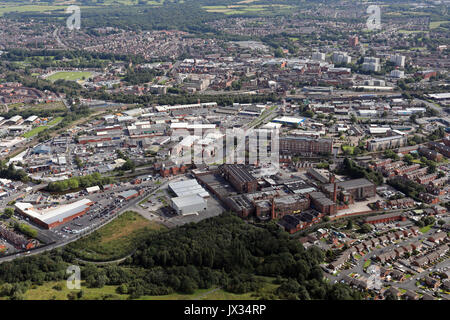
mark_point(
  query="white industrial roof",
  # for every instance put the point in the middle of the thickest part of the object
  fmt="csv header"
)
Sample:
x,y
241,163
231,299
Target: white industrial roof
x,y
93,189
52,215
379,130
31,118
445,95
185,125
190,200
288,119
188,187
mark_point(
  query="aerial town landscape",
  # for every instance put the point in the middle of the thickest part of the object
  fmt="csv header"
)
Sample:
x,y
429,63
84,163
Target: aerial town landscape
x,y
225,150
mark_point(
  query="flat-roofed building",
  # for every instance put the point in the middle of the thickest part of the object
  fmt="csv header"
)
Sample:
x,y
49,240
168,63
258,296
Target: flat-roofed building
x,y
52,217
358,188
305,145
241,179
323,204
387,143
187,188
189,204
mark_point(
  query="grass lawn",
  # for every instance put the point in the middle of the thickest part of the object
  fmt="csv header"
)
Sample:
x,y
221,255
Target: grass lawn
x,y
34,131
367,263
115,240
348,149
5,8
69,75
436,24
425,229
55,121
46,292
410,31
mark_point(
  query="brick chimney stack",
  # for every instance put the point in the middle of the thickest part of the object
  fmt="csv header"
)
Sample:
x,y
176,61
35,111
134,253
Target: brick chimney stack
x,y
273,208
334,192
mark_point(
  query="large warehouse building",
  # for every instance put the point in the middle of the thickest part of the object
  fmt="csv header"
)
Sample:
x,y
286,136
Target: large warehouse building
x,y
187,188
188,204
53,217
190,197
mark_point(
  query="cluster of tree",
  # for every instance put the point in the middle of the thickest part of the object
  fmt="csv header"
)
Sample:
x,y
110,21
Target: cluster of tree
x,y
10,172
37,269
8,213
425,221
26,229
365,228
409,188
139,76
350,168
226,251
437,134
74,183
70,88
187,16
128,165
221,251
60,56
391,154
416,139
14,291
78,162
48,111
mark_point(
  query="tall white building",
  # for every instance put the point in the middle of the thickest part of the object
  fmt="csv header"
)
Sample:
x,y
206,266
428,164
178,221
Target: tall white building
x,y
341,57
398,60
397,74
318,56
371,64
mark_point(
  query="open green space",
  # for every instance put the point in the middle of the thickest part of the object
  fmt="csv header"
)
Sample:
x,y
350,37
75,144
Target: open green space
x,y
425,229
246,8
36,130
348,149
49,291
69,75
436,24
115,240
6,8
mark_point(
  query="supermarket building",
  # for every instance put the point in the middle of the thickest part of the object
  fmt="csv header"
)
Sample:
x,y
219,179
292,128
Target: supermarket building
x,y
55,216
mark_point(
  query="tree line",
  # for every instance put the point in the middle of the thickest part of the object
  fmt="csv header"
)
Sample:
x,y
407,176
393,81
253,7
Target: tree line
x,y
220,251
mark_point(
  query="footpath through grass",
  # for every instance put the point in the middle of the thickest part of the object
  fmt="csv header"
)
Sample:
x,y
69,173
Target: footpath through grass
x,y
115,240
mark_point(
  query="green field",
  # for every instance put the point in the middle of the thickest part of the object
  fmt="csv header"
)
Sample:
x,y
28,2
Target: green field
x,y
69,75
115,240
242,8
410,31
436,24
5,8
47,292
425,229
36,130
348,149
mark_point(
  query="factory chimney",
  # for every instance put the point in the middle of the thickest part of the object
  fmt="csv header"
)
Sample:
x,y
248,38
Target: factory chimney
x,y
273,208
